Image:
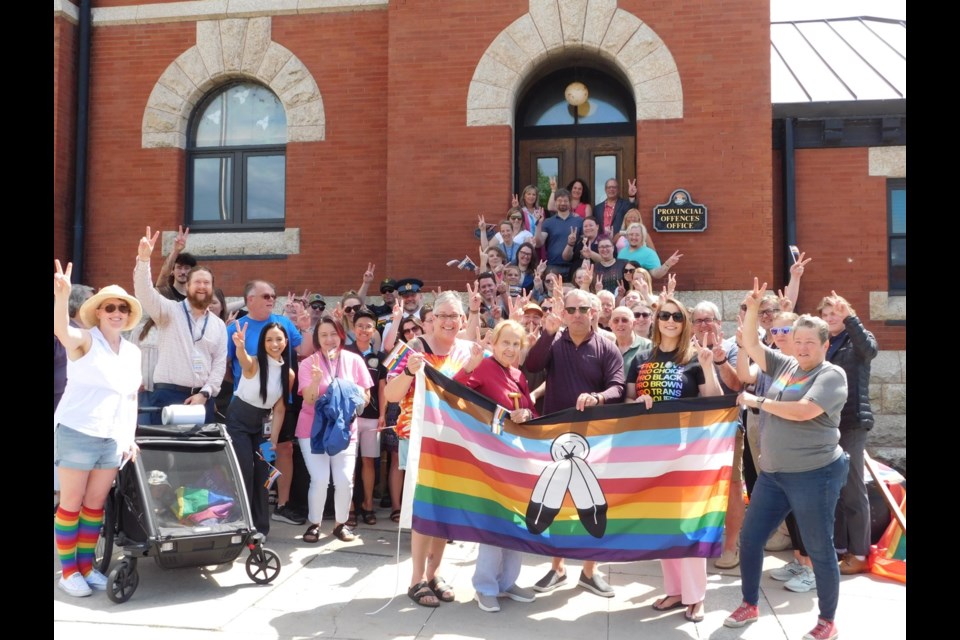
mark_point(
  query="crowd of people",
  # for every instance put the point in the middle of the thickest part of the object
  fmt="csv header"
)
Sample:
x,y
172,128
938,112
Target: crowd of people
x,y
564,299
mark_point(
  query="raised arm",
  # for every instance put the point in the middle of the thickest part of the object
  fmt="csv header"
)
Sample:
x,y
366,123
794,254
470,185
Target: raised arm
x,y
76,341
792,292
751,337
179,244
367,279
248,364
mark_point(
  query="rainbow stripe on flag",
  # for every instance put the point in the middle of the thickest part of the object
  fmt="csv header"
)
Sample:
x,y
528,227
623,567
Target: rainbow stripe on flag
x,y
397,359
613,483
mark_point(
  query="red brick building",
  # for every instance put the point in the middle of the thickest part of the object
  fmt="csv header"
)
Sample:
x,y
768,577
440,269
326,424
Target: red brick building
x,y
404,119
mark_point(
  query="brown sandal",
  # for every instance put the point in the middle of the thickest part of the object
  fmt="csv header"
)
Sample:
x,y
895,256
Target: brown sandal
x,y
442,590
312,534
422,590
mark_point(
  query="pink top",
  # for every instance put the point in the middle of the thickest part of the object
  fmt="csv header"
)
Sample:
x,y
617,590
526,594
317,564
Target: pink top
x,y
352,367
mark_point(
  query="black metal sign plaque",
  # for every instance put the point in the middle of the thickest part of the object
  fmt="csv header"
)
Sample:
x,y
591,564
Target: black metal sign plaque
x,y
680,213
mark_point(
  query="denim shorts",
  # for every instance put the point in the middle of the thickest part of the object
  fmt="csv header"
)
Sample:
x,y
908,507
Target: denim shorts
x,y
404,447
75,450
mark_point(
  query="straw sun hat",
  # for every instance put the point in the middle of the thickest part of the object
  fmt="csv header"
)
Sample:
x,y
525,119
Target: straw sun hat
x,y
88,310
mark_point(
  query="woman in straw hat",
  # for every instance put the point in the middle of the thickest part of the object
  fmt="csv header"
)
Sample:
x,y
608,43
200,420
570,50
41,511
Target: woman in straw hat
x,y
95,421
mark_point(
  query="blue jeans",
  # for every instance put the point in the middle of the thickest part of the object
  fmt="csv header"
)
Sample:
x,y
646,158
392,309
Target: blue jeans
x,y
812,496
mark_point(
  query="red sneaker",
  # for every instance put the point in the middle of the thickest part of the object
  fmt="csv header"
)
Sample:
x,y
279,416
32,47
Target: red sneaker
x,y
825,630
745,614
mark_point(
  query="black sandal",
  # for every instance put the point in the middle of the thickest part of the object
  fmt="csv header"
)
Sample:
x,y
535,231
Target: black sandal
x,y
442,590
420,591
312,534
369,517
395,516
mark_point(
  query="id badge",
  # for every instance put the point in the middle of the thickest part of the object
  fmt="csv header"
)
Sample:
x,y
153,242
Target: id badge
x,y
268,425
197,362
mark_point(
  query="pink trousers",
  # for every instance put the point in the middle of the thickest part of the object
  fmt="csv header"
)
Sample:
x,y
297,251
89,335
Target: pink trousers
x,y
686,577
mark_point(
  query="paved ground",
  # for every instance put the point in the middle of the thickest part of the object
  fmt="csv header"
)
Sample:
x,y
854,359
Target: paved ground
x,y
333,589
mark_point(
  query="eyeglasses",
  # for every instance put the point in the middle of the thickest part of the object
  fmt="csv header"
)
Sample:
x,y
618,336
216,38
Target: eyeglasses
x,y
666,315
782,331
268,296
446,316
320,306
607,247
704,321
110,308
572,310
621,320
629,270
353,309
768,312
641,314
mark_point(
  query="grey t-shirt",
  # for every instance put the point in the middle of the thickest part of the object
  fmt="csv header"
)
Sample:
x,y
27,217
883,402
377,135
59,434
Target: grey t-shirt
x,y
793,446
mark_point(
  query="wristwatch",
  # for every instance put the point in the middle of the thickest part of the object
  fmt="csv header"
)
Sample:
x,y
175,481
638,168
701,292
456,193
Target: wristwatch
x,y
406,371
205,393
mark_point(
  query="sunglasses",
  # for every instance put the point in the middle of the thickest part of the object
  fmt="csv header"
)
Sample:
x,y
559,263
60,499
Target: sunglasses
x,y
641,314
782,331
547,309
110,308
629,270
516,218
318,305
621,320
583,310
353,309
409,329
269,296
666,315
388,290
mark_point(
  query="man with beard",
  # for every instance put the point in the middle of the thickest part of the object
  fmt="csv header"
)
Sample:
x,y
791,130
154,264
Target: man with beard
x,y
192,343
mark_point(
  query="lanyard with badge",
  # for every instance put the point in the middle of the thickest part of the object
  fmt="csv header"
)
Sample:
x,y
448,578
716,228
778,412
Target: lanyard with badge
x,y
197,361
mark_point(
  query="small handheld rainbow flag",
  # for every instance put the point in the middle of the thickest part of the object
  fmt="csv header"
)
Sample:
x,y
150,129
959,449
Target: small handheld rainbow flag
x,y
397,359
272,475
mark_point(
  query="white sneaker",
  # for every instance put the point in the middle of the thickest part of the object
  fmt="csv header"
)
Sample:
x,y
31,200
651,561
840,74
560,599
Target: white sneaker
x,y
788,571
75,585
804,582
96,580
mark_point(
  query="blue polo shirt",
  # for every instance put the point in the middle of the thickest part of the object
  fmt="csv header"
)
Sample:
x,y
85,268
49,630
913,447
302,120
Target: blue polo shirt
x,y
558,230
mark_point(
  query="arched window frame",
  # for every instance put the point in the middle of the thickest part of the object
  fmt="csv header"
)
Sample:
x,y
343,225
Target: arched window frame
x,y
235,213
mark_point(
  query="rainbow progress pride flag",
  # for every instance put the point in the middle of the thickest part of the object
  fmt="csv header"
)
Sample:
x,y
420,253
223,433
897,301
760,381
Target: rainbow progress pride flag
x,y
614,483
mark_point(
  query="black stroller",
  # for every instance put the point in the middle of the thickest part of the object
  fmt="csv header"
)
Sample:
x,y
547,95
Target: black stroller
x,y
183,502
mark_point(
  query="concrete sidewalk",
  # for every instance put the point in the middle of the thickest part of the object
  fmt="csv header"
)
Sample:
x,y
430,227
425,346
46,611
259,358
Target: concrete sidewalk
x,y
331,590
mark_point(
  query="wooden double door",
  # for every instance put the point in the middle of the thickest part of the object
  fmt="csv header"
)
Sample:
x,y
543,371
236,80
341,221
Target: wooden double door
x,y
593,160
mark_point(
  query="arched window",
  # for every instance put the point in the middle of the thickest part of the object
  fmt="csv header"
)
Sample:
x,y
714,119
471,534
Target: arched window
x,y
236,160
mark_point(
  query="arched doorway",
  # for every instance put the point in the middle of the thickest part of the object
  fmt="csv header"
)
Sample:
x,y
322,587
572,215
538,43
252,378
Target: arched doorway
x,y
594,142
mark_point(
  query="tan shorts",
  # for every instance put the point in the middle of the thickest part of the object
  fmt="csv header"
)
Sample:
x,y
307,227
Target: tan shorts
x,y
736,473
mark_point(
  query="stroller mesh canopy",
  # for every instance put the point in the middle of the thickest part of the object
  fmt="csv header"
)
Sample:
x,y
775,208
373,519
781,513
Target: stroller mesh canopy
x,y
191,490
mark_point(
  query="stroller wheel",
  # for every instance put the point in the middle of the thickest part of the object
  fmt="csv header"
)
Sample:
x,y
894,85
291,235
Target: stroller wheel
x,y
122,582
263,565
